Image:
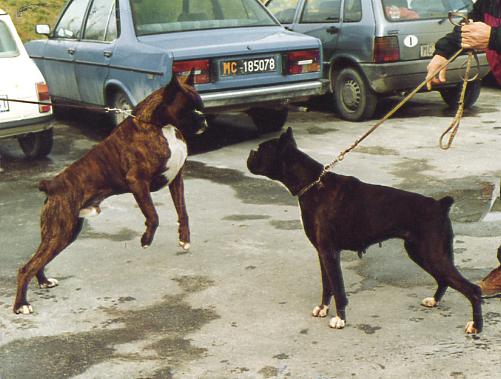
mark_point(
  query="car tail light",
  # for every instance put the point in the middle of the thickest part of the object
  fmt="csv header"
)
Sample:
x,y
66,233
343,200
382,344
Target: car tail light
x,y
301,62
386,49
202,70
43,95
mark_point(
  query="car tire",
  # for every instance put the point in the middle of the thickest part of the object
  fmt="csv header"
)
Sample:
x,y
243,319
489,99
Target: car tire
x,y
353,98
37,145
451,94
269,120
119,100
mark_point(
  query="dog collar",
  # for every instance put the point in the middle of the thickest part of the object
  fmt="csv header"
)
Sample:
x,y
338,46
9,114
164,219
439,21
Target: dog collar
x,y
312,184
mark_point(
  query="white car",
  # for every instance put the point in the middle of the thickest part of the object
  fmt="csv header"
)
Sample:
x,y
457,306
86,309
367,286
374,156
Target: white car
x,y
21,79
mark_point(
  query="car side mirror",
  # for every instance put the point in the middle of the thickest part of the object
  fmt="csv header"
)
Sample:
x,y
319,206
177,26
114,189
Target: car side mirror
x,y
42,29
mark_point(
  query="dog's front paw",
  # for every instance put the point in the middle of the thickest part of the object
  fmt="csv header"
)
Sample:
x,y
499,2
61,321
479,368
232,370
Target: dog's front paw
x,y
429,302
25,309
337,323
146,240
50,283
320,311
184,245
470,328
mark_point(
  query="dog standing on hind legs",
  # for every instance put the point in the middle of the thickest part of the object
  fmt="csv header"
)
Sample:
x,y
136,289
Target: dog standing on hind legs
x,y
143,154
343,213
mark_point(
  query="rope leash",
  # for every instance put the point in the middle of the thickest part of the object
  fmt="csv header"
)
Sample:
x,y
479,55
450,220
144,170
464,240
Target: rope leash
x,y
453,128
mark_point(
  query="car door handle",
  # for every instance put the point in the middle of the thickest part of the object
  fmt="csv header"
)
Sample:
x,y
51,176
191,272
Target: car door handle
x,y
332,30
107,54
71,50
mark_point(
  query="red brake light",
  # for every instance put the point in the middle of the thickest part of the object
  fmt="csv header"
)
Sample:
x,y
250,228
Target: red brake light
x,y
301,62
202,70
43,95
386,49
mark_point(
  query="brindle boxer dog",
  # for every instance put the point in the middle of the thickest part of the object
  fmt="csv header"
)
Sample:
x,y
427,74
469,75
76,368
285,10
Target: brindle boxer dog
x,y
491,284
343,213
142,155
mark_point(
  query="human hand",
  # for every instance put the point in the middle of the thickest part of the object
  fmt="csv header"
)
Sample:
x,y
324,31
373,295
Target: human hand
x,y
436,62
475,36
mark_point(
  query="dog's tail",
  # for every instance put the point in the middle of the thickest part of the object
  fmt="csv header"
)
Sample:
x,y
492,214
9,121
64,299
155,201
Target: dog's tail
x,y
446,203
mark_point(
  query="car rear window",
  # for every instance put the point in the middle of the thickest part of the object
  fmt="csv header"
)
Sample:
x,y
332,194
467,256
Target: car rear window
x,y
283,10
8,47
154,17
408,10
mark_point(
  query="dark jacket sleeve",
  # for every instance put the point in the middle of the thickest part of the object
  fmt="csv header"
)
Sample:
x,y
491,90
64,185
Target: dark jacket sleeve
x,y
448,45
477,13
495,40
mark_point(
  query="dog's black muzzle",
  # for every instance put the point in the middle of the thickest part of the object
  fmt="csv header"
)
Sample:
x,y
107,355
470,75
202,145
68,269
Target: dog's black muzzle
x,y
252,162
195,122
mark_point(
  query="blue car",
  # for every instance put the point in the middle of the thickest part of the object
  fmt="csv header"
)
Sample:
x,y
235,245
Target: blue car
x,y
115,52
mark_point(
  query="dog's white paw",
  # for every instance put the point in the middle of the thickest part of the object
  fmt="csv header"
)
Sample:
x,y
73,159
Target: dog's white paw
x,y
89,212
145,246
429,302
51,283
184,245
470,328
337,323
320,311
24,309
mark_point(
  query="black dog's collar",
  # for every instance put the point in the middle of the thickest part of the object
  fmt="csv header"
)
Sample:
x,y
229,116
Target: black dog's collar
x,y
302,191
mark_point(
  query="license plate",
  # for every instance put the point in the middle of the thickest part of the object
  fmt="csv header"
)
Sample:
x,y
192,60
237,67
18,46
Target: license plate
x,y
247,66
4,105
427,50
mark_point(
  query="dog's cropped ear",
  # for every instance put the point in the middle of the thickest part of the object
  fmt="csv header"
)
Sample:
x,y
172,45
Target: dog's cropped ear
x,y
287,137
190,80
171,89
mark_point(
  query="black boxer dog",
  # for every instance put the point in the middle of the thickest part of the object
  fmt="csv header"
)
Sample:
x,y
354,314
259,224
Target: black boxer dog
x,y
143,154
343,213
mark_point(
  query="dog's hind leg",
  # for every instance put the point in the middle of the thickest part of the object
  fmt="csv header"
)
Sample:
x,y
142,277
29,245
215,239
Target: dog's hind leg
x,y
176,188
43,281
414,254
440,265
57,234
449,274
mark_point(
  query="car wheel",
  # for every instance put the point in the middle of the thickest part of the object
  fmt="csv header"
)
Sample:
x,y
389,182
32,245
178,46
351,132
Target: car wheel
x,y
353,98
120,100
37,145
269,120
451,95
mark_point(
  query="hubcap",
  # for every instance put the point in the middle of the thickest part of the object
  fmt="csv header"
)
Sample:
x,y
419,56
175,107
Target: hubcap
x,y
351,95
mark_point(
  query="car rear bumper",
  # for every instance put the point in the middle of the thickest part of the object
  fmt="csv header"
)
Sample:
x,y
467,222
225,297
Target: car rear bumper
x,y
248,98
26,126
400,76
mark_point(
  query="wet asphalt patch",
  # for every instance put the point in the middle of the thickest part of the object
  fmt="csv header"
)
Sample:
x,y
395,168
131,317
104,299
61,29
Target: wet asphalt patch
x,y
251,190
167,323
123,235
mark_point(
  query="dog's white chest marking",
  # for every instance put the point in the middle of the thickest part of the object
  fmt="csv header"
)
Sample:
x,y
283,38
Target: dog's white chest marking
x,y
178,151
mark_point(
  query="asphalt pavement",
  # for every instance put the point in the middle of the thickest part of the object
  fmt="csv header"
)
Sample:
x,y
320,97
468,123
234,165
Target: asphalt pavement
x,y
238,304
